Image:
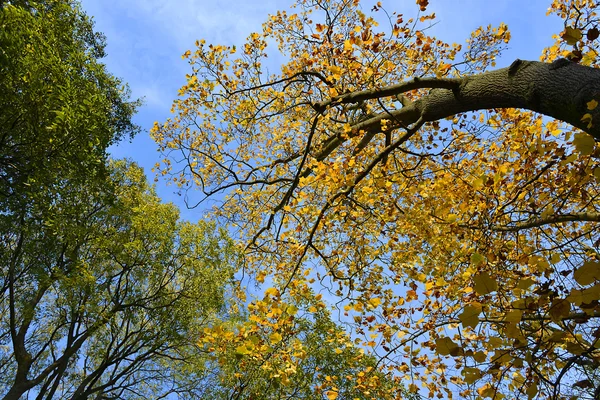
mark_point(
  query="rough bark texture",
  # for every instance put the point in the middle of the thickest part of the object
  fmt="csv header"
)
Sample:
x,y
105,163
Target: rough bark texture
x,y
560,90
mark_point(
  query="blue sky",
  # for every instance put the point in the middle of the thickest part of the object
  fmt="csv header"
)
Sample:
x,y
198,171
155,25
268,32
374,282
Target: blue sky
x,y
147,37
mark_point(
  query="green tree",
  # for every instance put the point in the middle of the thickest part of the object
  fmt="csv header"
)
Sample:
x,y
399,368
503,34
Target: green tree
x,y
101,287
106,299
288,347
60,108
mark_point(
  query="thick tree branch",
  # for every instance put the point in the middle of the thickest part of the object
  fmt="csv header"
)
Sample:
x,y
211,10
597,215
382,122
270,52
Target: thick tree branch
x,y
553,219
560,90
538,222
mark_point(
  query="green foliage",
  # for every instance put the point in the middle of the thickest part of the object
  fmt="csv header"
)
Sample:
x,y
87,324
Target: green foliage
x,y
109,295
103,289
61,109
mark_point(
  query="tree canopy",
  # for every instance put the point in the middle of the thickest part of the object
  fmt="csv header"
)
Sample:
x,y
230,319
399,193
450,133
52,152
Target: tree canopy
x,y
104,292
449,210
106,299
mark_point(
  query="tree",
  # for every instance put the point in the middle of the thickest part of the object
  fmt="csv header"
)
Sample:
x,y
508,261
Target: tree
x,y
103,290
287,347
447,206
61,109
105,300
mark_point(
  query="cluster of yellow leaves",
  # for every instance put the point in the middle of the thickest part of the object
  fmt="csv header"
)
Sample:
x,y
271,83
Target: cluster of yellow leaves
x,y
465,258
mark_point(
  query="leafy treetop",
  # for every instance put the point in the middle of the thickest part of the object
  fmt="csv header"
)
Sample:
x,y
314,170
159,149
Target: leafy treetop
x,y
454,225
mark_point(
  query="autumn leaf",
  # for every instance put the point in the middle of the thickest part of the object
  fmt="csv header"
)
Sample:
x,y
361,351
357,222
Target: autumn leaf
x,y
347,45
572,36
350,171
487,391
532,391
374,302
275,337
587,118
423,4
525,283
242,350
513,316
588,273
445,346
471,375
559,309
484,283
470,315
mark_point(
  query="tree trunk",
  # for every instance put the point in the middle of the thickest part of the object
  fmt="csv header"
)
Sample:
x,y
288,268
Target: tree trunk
x,y
17,390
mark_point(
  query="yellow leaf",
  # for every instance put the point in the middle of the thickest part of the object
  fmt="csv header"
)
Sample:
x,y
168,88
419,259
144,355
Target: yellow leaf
x,y
588,273
494,342
587,118
471,374
336,72
243,350
511,330
375,301
486,391
445,346
592,104
513,316
261,277
470,315
480,356
275,337
484,283
525,283
347,45
478,183
559,309
532,391
477,259
331,395
575,348
291,309
578,297
571,36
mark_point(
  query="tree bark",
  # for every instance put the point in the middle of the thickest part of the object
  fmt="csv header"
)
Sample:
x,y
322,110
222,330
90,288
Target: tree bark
x,y
560,89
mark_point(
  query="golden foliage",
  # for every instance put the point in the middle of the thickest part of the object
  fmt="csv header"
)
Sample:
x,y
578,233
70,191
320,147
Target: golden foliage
x,y
463,252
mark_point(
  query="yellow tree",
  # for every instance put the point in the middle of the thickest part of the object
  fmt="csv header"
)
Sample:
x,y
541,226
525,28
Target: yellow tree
x,y
449,208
